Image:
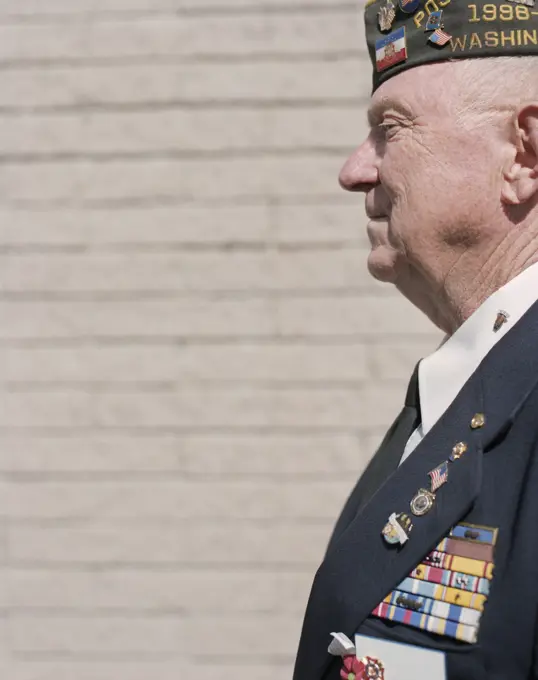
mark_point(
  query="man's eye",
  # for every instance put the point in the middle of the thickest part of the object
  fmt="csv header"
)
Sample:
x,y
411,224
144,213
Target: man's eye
x,y
388,126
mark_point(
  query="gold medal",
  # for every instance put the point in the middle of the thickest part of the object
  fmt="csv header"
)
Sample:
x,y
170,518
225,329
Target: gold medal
x,y
422,502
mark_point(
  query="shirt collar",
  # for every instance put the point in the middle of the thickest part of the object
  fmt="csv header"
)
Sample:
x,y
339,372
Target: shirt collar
x,y
445,372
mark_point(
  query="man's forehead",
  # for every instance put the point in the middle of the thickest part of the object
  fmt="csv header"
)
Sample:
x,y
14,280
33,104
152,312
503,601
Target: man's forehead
x,y
410,93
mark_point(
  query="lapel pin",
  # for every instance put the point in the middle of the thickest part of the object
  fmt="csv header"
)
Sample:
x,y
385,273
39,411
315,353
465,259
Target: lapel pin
x,y
409,6
386,16
397,529
439,38
391,49
502,318
367,668
458,451
479,420
435,21
439,476
422,502
424,499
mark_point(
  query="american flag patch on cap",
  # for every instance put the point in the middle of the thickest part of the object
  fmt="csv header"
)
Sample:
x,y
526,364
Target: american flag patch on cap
x,y
439,37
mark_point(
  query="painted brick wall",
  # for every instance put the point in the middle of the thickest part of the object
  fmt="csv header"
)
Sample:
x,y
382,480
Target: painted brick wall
x,y
194,363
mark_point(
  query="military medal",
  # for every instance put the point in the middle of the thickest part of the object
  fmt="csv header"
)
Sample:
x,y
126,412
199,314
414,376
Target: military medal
x,y
373,669
386,16
422,502
424,499
397,529
367,668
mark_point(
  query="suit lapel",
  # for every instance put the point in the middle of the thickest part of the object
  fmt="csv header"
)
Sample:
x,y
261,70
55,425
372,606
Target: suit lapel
x,y
380,467
360,568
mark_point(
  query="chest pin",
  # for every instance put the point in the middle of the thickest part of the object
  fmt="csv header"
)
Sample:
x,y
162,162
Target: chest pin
x,y
424,499
397,529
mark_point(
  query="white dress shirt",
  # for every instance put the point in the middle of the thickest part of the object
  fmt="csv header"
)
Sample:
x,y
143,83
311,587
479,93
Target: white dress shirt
x,y
443,374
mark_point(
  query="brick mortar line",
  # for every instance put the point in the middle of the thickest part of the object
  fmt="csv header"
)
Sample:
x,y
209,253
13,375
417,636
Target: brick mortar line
x,y
159,201
95,567
182,59
173,523
173,155
215,295
225,247
188,431
181,343
227,385
105,108
134,16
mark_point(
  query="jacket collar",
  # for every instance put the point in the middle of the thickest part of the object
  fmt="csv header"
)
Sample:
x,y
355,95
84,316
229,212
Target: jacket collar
x,y
444,373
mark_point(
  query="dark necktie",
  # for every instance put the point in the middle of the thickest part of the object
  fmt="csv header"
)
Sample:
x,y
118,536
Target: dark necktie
x,y
385,461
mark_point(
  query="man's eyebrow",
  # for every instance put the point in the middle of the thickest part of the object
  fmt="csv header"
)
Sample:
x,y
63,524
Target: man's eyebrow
x,y
378,108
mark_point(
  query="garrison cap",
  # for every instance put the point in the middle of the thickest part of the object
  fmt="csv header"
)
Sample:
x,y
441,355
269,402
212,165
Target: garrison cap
x,y
404,33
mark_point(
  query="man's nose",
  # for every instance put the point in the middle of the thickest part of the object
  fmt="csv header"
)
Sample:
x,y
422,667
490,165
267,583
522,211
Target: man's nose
x,y
360,171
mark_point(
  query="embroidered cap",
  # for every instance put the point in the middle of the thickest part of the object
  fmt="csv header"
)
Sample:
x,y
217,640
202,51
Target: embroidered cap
x,y
404,33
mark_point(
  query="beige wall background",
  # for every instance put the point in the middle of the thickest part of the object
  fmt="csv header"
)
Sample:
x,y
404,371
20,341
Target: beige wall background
x,y
195,365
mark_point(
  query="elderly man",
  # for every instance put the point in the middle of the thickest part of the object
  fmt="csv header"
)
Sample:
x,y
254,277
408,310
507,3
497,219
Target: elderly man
x,y
437,546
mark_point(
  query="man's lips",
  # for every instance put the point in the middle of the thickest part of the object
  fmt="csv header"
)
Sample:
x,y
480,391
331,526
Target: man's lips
x,y
376,236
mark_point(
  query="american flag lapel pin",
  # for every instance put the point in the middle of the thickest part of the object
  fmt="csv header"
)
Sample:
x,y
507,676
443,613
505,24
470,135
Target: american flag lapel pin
x,y
439,38
439,476
424,499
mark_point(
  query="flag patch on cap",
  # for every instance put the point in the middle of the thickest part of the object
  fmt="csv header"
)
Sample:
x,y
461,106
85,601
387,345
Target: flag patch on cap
x,y
439,38
391,50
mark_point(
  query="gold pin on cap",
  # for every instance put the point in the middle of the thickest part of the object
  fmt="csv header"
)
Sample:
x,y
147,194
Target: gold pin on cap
x,y
479,420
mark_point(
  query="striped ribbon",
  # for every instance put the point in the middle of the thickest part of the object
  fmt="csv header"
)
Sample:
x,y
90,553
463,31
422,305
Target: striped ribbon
x,y
427,605
443,593
433,624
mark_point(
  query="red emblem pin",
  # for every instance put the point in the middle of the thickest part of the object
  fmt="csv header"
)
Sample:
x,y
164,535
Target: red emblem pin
x,y
367,668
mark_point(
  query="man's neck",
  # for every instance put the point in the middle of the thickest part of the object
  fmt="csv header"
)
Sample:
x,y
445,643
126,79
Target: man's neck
x,y
470,281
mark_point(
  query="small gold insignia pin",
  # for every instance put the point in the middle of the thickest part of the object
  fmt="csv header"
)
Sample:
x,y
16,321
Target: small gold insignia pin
x,y
458,451
502,318
479,420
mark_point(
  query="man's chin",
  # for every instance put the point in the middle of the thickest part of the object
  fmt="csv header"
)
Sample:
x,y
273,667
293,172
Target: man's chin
x,y
382,266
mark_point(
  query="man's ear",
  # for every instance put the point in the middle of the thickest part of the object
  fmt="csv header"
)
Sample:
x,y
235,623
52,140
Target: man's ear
x,y
520,181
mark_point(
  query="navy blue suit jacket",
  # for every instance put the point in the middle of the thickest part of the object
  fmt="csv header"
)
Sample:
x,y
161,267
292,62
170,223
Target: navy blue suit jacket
x,y
494,484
